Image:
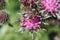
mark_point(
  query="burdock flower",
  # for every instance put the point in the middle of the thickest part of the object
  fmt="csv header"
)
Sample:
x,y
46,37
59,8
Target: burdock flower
x,y
3,17
50,5
32,23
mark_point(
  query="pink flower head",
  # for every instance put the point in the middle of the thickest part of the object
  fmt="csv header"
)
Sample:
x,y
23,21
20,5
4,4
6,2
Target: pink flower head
x,y
50,5
3,17
32,23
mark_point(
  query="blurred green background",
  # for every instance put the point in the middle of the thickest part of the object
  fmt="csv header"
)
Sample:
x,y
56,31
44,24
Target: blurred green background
x,y
11,33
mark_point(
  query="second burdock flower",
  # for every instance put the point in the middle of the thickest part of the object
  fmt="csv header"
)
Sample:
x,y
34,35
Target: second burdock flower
x,y
3,17
50,5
